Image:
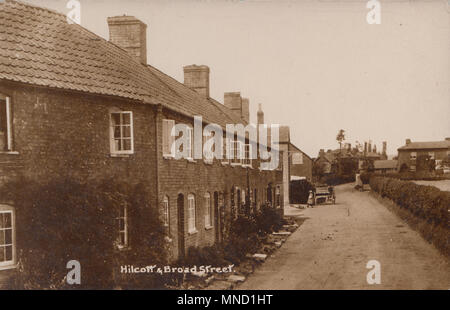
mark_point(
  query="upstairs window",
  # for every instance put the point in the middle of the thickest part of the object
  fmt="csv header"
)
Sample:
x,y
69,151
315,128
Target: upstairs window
x,y
236,151
190,142
168,138
413,155
226,150
247,155
7,237
122,141
431,155
5,124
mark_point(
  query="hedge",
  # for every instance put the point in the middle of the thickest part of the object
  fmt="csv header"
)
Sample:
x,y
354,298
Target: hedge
x,y
426,206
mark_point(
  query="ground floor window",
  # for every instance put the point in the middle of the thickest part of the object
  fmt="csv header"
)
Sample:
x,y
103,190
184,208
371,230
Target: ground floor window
x,y
208,212
7,236
122,223
191,214
166,215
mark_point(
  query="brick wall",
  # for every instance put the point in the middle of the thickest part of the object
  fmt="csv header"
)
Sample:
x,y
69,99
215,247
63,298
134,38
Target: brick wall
x,y
185,177
59,133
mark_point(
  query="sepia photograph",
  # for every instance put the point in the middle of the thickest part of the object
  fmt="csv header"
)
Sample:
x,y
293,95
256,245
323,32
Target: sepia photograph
x,y
238,146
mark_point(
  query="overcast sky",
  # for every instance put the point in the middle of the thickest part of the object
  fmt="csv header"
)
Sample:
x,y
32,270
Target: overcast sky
x,y
315,65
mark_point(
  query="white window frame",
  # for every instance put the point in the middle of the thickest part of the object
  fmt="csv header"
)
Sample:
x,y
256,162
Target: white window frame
x,y
168,138
9,137
208,211
191,214
432,155
413,156
10,263
123,245
112,138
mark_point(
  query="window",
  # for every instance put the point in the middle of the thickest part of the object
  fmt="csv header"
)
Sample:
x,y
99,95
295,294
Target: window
x,y
165,211
277,196
190,142
122,224
208,213
431,155
236,149
168,138
122,132
7,237
5,124
247,155
226,150
208,155
191,214
413,155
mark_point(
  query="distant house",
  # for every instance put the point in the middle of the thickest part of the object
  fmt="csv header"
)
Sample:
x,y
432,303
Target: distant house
x,y
385,166
325,162
296,163
409,155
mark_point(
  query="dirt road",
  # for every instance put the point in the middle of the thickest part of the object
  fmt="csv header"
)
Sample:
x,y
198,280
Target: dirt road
x,y
331,249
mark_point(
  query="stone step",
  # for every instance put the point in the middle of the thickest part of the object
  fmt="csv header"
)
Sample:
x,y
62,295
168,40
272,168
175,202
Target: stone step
x,y
282,233
235,278
260,257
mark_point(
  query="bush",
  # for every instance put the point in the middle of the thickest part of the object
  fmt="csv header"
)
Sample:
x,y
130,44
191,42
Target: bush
x,y
299,191
425,203
66,220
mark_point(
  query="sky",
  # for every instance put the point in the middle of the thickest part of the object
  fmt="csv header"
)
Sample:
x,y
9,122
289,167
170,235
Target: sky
x,y
314,65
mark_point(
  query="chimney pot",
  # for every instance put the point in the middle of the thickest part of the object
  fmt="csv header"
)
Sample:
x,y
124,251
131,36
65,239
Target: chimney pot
x,y
408,141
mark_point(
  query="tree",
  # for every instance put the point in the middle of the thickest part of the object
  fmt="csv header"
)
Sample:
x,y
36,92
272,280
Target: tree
x,y
340,138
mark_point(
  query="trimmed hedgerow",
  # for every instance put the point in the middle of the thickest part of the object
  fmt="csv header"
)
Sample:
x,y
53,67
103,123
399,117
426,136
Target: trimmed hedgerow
x,y
427,207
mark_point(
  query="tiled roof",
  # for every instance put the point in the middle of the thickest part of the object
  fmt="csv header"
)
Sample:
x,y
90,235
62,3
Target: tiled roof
x,y
385,164
39,47
426,145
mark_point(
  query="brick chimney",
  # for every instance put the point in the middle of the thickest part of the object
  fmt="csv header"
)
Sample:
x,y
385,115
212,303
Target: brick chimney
x,y
197,78
384,148
408,141
260,115
245,112
365,148
321,152
130,34
447,139
233,101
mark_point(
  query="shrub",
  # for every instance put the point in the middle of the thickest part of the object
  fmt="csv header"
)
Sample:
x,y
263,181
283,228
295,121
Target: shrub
x,y
426,204
65,220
